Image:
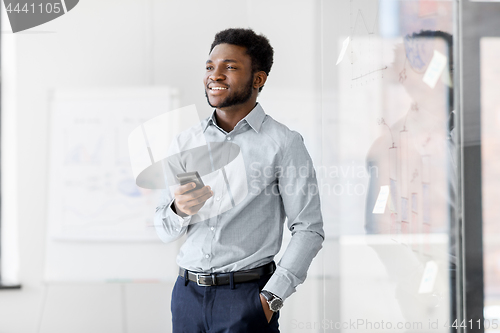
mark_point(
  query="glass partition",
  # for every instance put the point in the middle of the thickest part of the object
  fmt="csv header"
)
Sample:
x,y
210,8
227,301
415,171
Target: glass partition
x,y
396,101
376,109
490,144
374,88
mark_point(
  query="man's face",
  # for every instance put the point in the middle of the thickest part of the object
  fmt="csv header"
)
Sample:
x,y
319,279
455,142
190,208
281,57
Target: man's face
x,y
228,78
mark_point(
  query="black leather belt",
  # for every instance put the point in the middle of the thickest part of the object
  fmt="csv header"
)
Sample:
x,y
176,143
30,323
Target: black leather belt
x,y
218,279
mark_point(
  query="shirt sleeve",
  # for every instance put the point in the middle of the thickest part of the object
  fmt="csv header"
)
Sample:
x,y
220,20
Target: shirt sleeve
x,y
169,226
300,195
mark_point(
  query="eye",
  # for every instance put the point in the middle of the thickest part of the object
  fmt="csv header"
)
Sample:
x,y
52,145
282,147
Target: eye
x,y
209,68
231,67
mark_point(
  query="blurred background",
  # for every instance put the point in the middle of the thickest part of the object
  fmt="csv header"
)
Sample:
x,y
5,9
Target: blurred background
x,y
398,105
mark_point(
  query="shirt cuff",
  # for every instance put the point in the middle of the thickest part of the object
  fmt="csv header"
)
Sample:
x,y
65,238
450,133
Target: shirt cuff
x,y
281,283
182,221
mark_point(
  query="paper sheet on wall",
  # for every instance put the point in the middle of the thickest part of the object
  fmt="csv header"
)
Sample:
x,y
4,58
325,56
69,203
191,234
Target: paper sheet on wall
x,y
428,278
92,193
381,200
435,69
345,44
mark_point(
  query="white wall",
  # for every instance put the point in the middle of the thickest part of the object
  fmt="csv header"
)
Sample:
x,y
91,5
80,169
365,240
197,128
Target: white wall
x,y
128,43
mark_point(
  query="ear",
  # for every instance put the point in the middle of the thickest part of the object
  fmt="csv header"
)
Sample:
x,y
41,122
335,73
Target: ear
x,y
259,79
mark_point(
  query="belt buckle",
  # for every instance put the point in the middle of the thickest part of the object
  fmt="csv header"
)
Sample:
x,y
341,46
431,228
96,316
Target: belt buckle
x,y
205,275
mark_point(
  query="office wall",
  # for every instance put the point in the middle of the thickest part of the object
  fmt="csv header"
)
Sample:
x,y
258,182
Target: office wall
x,y
117,44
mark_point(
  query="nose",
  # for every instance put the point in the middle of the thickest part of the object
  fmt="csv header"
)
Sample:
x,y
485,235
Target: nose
x,y
216,75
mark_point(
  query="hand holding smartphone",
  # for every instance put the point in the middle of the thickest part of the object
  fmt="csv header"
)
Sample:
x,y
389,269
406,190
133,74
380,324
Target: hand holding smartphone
x,y
191,195
190,177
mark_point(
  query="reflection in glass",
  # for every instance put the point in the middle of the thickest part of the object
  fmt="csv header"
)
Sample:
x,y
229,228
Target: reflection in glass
x,y
394,114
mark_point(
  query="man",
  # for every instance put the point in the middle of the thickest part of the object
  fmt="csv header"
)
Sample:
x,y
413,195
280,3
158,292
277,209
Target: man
x,y
228,281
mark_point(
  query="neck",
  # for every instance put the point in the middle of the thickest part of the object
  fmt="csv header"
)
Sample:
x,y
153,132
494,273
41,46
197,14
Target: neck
x,y
227,118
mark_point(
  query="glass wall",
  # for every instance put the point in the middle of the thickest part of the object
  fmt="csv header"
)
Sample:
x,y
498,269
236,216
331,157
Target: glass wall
x,y
388,164
490,149
396,101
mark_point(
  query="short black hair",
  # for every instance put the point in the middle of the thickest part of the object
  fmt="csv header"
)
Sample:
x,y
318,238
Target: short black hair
x,y
258,47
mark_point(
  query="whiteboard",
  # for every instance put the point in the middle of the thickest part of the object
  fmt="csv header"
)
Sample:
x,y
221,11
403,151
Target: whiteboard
x,y
99,223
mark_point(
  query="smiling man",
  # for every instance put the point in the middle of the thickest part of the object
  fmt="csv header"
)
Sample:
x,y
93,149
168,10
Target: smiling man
x,y
228,281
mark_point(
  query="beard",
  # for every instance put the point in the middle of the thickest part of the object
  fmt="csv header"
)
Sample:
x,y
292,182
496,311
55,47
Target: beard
x,y
235,98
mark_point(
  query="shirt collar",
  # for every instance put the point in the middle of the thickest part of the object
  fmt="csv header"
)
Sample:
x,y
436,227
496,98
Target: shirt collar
x,y
211,120
255,118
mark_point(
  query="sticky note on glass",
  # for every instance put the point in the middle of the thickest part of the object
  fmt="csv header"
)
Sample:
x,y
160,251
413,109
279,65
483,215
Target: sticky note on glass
x,y
428,278
345,44
435,69
381,200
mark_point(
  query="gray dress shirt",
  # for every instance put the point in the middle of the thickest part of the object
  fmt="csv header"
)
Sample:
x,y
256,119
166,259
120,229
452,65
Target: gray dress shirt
x,y
264,176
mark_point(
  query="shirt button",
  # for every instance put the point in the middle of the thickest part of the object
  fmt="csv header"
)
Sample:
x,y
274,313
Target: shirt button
x,y
218,198
207,256
212,228
228,138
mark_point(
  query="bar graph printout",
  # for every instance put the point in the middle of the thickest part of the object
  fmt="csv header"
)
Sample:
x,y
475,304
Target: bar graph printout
x,y
93,195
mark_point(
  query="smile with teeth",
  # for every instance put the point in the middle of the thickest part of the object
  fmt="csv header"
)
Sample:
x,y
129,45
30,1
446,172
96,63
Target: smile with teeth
x,y
218,88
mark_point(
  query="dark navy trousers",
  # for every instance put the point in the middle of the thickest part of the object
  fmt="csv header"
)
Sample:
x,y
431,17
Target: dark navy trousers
x,y
220,309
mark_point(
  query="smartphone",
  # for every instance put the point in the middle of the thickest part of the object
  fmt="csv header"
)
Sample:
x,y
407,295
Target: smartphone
x,y
190,177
